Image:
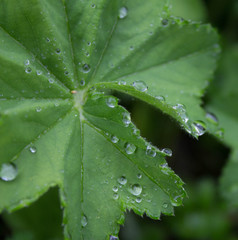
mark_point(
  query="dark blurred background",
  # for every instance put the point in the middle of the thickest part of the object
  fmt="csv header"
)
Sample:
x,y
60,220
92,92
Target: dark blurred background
x,y
205,215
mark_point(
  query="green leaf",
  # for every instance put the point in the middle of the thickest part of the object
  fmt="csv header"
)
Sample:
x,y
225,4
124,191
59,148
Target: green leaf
x,y
223,102
60,126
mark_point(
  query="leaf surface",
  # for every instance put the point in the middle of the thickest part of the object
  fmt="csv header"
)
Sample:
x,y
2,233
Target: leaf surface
x,y
60,126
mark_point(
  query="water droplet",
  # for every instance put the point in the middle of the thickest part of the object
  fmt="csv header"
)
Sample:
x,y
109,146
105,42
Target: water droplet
x,y
111,102
115,196
167,151
66,73
28,70
121,82
220,133
86,68
115,189
114,139
140,86
126,119
38,72
51,80
89,43
150,151
32,149
38,109
138,200
160,98
84,221
47,39
165,205
58,51
130,148
123,12
199,128
136,189
212,118
165,22
93,5
27,62
131,47
136,132
82,82
8,172
122,180
139,175
113,238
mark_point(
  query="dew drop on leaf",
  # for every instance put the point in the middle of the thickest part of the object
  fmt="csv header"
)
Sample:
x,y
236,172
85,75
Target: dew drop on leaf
x,y
140,86
136,189
138,200
199,128
167,151
139,175
115,196
113,238
165,205
66,73
160,98
8,172
150,151
126,119
212,118
123,12
165,22
220,133
130,148
82,83
122,180
58,51
38,109
27,62
86,68
38,72
114,139
93,5
121,82
51,80
115,189
111,102
84,221
28,70
32,149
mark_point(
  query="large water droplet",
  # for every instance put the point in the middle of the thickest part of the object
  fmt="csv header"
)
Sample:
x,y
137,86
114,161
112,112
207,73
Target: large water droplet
x,y
33,149
126,118
167,151
84,221
8,172
199,128
123,12
122,180
114,139
150,151
130,148
111,102
140,86
136,189
86,68
212,118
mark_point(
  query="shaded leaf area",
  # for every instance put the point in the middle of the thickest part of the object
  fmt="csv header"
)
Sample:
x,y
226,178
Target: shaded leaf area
x,y
223,100
58,127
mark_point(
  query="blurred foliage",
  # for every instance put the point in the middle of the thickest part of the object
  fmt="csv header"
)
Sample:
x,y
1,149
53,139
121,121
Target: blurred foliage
x,y
205,215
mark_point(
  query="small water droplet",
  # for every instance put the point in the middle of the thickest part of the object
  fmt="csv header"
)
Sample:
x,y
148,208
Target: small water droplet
x,y
28,70
121,82
111,102
66,73
115,189
27,62
58,51
199,128
38,109
122,180
160,98
138,200
136,189
151,152
84,221
93,5
165,22
126,119
167,151
136,132
47,39
123,12
8,172
140,86
212,118
114,139
38,72
115,196
82,82
165,205
131,47
89,43
51,80
139,175
33,149
86,68
220,133
130,148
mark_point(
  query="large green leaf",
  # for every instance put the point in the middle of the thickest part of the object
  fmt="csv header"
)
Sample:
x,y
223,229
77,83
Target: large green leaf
x,y
224,99
60,126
